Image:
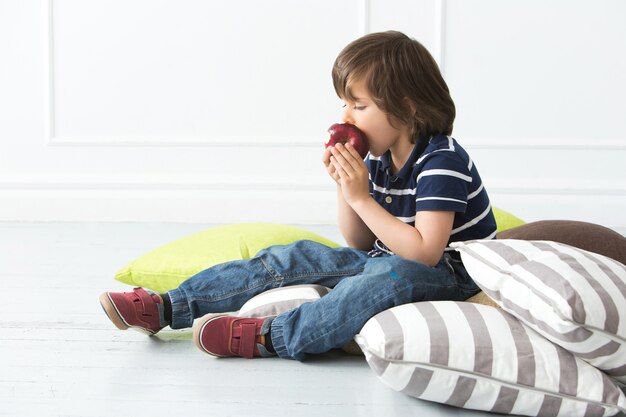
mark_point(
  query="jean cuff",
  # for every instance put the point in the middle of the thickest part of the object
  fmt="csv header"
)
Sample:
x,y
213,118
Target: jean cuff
x,y
181,315
278,340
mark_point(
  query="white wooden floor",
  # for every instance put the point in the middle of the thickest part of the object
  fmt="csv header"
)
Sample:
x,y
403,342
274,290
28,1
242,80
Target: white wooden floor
x,y
60,356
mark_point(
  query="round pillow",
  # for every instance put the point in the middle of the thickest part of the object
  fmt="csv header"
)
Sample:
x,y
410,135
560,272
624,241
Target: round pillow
x,y
582,235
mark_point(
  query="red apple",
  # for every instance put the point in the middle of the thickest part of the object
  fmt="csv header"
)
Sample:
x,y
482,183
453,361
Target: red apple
x,y
346,133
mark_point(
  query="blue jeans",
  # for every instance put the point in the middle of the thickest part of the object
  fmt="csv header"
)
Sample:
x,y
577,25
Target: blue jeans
x,y
362,287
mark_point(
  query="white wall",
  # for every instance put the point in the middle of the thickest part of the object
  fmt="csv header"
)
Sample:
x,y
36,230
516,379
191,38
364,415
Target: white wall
x,y
154,110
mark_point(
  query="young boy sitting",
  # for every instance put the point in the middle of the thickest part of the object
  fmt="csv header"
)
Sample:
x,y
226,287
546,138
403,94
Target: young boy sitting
x,y
416,192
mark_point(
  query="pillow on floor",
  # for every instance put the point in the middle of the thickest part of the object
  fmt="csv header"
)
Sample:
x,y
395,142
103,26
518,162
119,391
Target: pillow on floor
x,y
279,300
582,235
505,220
168,266
482,358
482,298
575,298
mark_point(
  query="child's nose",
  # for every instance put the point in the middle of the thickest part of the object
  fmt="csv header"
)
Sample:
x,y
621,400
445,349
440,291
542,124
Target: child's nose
x,y
346,116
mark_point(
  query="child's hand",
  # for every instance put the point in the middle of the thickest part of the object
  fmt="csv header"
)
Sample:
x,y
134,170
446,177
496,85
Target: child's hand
x,y
352,172
330,168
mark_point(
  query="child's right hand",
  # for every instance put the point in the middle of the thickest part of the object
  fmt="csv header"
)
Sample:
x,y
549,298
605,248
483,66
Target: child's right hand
x,y
329,167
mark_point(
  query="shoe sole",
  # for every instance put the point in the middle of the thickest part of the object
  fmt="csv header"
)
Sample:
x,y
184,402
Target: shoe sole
x,y
198,331
116,318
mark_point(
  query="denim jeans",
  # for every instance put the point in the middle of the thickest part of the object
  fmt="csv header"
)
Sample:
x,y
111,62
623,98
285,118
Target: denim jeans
x,y
362,287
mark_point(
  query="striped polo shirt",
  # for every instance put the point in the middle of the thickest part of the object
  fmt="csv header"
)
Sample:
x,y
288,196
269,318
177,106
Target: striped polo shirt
x,y
438,176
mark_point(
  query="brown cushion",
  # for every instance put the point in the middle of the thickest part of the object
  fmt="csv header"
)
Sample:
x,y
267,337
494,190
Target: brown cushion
x,y
482,298
352,348
582,235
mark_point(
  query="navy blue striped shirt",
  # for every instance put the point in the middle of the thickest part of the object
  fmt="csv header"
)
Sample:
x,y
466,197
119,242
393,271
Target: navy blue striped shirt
x,y
438,176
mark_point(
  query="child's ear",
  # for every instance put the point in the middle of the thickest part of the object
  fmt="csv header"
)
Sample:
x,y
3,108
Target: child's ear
x,y
411,105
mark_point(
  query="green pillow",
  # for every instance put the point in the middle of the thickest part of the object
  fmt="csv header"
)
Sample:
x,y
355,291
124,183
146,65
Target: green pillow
x,y
166,267
505,220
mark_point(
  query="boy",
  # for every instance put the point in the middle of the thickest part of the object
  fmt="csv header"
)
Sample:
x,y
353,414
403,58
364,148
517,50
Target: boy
x,y
416,192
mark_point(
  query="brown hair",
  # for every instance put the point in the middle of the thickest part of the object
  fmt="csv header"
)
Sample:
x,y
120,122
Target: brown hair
x,y
398,71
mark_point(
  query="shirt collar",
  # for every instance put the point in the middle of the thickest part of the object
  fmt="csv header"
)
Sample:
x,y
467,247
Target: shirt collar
x,y
407,169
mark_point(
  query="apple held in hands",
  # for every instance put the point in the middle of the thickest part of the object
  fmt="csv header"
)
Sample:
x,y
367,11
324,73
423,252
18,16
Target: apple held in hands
x,y
346,133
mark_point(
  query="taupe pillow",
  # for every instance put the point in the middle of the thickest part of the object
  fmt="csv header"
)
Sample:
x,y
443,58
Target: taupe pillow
x,y
587,236
482,298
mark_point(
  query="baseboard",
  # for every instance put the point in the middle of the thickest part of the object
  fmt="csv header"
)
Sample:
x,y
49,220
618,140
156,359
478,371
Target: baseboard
x,y
310,205
604,209
205,206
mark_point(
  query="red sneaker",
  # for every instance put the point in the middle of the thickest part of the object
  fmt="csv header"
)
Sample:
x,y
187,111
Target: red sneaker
x,y
223,336
137,310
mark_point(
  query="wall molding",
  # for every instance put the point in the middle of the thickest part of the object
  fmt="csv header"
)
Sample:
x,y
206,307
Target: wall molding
x,y
51,138
50,194
441,19
180,183
48,72
277,184
296,206
304,206
544,144
364,17
468,142
185,141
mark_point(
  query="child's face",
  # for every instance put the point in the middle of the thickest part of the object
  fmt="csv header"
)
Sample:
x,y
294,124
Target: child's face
x,y
367,116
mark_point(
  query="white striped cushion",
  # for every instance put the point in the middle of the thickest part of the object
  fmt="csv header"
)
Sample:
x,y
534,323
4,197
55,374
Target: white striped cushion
x,y
575,298
277,301
482,358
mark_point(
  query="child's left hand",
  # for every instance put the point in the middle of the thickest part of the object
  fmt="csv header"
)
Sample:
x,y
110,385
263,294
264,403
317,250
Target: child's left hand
x,y
353,173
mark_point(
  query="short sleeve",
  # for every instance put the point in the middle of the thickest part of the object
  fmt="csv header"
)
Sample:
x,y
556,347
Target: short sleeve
x,y
443,183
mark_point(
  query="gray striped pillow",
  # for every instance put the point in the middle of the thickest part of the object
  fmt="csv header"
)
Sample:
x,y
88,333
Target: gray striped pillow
x,y
277,301
575,298
482,358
